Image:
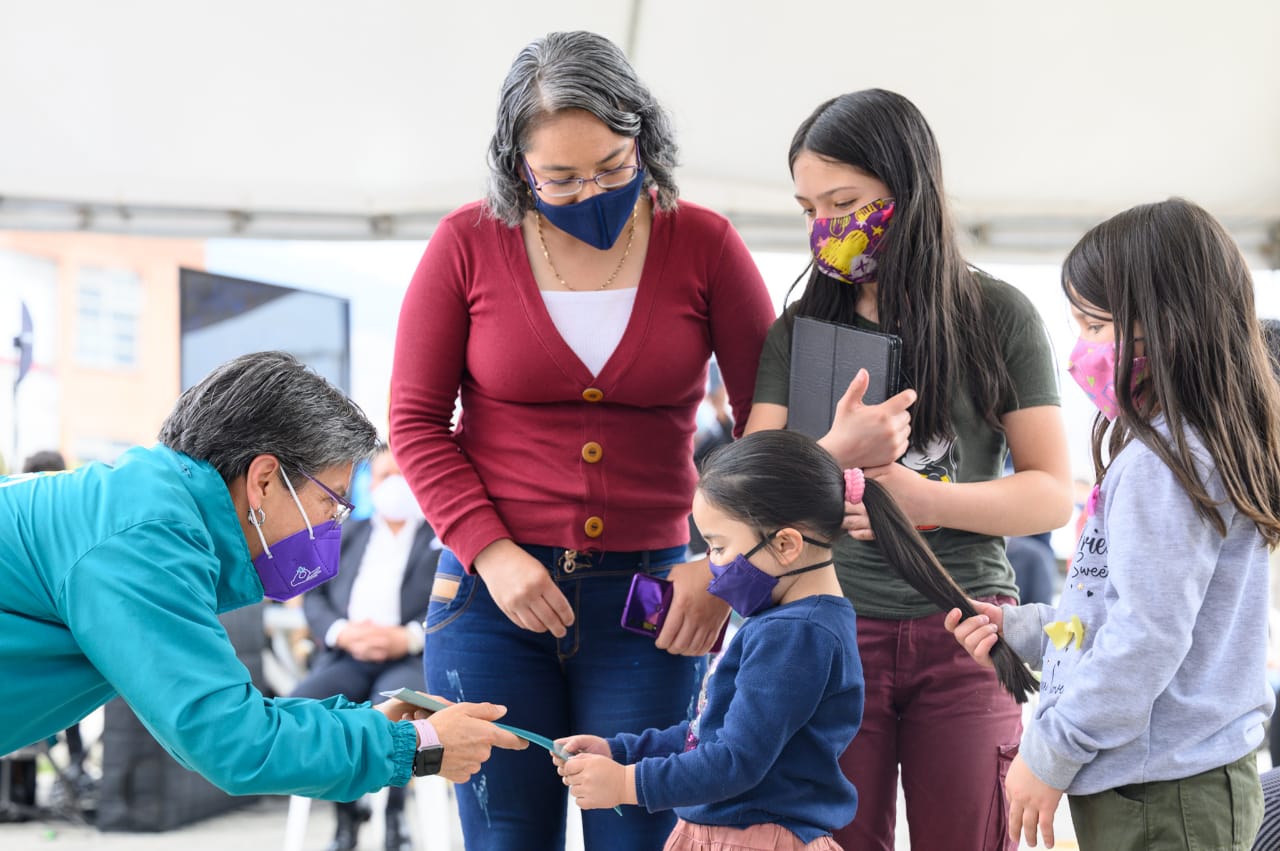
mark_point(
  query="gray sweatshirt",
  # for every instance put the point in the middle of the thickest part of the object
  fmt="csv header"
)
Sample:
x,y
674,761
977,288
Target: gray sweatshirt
x,y
1169,677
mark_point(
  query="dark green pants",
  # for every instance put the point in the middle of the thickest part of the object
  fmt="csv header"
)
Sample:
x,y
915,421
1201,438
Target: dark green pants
x,y
1217,810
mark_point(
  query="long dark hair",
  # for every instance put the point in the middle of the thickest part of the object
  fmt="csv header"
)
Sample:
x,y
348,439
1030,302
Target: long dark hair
x,y
926,293
776,479
1173,269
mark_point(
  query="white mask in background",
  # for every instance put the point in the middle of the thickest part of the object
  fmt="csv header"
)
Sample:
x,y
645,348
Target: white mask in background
x,y
394,501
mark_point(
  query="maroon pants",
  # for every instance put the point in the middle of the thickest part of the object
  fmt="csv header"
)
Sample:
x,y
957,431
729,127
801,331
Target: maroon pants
x,y
946,721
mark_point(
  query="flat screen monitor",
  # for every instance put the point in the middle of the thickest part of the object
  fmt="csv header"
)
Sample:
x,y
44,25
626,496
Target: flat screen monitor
x,y
223,317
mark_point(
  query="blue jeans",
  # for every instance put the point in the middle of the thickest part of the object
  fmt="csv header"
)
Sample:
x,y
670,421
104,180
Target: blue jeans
x,y
598,679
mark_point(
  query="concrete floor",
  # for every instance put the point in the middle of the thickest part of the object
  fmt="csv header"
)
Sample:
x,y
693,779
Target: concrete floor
x,y
261,827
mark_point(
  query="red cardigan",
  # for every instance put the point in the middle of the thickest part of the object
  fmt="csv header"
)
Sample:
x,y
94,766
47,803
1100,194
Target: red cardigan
x,y
544,452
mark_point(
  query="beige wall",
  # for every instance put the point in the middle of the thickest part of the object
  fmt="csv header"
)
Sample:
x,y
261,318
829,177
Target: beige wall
x,y
98,407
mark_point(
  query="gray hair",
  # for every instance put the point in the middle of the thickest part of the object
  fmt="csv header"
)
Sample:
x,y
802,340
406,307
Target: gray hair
x,y
268,403
574,70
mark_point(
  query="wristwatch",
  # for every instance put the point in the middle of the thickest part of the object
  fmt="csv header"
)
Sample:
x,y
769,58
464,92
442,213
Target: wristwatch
x,y
427,760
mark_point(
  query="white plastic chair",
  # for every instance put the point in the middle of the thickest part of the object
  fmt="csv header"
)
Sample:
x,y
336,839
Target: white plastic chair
x,y
431,816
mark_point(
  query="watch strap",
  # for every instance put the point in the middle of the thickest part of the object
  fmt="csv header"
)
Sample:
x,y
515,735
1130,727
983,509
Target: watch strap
x,y
427,761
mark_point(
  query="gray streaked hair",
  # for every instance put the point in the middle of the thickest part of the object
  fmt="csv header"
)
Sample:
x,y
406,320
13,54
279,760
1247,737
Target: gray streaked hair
x,y
574,70
268,403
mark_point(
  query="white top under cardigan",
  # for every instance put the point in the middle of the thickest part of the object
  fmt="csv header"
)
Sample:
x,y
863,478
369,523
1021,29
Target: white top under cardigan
x,y
591,323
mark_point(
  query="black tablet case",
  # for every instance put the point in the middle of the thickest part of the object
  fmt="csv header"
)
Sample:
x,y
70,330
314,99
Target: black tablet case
x,y
825,356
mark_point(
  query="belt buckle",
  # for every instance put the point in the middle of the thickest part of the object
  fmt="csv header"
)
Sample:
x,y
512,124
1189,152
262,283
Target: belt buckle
x,y
569,561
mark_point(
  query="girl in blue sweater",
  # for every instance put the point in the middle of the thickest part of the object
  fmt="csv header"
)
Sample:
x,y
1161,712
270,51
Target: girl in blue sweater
x,y
1153,691
759,767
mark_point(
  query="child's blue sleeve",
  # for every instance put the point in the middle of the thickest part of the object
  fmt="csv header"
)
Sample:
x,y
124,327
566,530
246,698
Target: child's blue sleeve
x,y
762,718
633,747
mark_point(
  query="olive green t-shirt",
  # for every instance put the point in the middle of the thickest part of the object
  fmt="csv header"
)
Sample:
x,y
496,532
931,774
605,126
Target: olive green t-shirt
x,y
976,454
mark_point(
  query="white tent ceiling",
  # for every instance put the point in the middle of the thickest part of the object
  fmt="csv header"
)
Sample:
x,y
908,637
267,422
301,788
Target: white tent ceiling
x,y
331,118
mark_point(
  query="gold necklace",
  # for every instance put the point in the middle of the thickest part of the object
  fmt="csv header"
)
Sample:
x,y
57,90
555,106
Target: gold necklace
x,y
630,236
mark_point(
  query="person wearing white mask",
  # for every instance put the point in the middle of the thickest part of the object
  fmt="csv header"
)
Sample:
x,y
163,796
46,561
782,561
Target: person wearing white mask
x,y
367,621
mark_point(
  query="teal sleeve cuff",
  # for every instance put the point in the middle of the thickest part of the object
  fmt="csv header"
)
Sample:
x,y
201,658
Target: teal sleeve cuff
x,y
404,737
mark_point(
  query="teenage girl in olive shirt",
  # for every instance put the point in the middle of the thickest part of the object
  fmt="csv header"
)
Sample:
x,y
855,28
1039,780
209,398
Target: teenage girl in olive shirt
x,y
867,174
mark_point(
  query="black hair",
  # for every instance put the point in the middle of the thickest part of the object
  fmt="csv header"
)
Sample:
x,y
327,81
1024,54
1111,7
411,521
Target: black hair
x,y
45,461
925,292
1271,337
777,479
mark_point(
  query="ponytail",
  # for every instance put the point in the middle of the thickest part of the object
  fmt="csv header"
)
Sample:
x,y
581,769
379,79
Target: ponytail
x,y
912,559
775,478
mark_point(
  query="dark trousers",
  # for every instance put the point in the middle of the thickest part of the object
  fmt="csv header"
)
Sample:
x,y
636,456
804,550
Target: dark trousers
x,y
947,722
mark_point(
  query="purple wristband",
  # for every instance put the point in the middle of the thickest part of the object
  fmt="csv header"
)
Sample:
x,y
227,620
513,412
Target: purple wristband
x,y
426,733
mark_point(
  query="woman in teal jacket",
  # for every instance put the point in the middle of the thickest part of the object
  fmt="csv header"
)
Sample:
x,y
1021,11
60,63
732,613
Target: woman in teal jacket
x,y
112,577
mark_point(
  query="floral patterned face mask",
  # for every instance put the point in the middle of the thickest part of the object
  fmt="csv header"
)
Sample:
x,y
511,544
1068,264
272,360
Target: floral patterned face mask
x,y
844,247
1093,366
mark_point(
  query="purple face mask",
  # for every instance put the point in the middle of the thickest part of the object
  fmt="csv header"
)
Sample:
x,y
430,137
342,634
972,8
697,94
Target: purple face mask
x,y
300,562
845,247
747,588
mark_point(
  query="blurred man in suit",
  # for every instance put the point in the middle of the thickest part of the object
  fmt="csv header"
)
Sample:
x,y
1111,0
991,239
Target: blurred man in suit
x,y
367,622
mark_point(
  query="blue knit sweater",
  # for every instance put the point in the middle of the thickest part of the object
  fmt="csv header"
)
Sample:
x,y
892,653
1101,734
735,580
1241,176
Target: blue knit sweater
x,y
782,706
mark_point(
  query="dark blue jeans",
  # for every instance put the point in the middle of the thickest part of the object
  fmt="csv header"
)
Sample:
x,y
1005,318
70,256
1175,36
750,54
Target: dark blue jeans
x,y
598,679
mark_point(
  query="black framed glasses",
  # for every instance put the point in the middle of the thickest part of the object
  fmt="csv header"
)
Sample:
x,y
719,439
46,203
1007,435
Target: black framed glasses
x,y
344,507
614,178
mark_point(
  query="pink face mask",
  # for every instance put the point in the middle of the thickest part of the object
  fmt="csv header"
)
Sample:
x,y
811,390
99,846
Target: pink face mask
x,y
1093,366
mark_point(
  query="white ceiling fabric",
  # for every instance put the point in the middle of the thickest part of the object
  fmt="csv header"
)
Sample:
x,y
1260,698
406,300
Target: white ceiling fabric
x,y
332,114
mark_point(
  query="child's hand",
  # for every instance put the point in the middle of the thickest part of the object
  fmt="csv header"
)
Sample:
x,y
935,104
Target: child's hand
x,y
596,781
1032,803
978,634
581,744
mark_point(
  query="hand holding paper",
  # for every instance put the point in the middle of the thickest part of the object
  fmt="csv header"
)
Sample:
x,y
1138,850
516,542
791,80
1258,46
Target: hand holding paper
x,y
597,781
435,704
467,730
574,745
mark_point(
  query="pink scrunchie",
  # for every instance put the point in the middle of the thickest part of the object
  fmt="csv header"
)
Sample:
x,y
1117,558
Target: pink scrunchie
x,y
855,485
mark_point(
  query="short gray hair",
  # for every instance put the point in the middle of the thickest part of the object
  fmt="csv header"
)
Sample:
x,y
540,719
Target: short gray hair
x,y
268,403
574,70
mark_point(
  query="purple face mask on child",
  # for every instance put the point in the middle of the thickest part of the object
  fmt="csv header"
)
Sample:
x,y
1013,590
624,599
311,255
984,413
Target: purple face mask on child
x,y
747,588
300,562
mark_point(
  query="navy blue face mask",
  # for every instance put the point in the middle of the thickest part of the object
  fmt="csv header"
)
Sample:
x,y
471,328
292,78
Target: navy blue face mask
x,y
598,221
747,588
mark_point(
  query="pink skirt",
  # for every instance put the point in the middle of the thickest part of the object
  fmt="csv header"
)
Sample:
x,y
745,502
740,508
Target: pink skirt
x,y
758,837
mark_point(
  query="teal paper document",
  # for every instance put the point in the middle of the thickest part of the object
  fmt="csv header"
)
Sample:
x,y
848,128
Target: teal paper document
x,y
417,698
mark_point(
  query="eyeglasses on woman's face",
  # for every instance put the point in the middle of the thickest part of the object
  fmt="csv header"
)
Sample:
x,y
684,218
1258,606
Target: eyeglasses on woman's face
x,y
614,178
343,507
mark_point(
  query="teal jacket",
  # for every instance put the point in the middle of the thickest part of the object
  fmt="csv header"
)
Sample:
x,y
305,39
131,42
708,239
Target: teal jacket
x,y
111,580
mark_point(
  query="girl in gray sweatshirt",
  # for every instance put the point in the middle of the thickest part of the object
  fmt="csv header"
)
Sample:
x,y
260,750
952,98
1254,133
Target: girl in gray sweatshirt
x,y
1153,687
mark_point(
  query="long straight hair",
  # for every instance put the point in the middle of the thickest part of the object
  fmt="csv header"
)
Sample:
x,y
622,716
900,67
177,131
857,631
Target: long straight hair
x,y
925,293
1172,268
777,479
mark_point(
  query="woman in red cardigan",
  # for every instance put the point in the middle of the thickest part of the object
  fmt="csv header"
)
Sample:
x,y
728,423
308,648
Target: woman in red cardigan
x,y
575,310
